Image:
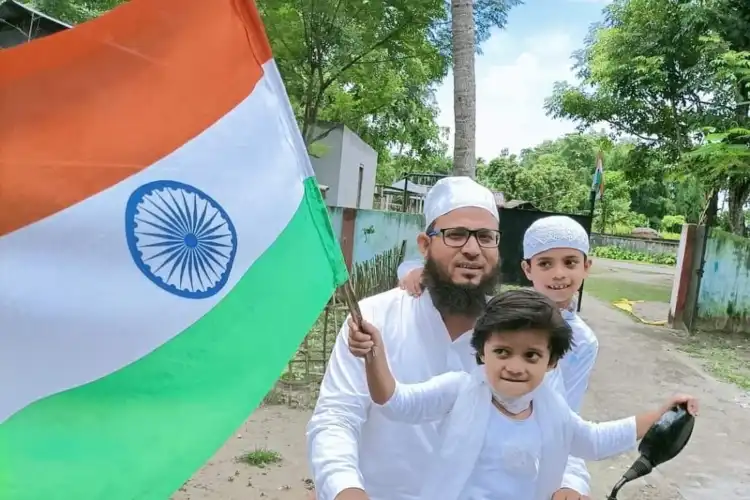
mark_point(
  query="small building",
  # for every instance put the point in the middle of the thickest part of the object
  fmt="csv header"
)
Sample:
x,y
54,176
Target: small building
x,y
20,23
346,166
391,198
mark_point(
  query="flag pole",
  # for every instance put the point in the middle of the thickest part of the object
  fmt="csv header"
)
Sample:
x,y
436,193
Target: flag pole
x,y
353,304
592,206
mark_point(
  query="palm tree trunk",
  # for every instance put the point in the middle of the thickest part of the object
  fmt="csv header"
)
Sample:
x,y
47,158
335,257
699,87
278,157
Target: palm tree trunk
x,y
464,88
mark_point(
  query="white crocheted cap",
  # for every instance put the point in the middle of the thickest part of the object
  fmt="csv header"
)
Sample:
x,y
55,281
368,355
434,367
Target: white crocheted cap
x,y
451,193
555,231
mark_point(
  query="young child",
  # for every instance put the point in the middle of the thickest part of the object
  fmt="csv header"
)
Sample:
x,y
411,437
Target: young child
x,y
505,435
556,261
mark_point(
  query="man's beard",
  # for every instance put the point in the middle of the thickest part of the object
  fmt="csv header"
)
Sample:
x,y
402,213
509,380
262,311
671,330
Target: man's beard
x,y
450,298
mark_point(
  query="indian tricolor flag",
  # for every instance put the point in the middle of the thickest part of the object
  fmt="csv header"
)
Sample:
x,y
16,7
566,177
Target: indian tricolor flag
x,y
163,247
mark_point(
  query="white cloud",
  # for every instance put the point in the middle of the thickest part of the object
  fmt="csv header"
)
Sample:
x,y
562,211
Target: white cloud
x,y
514,76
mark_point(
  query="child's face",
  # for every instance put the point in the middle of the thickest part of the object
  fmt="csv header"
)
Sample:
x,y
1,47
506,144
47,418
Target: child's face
x,y
557,273
516,362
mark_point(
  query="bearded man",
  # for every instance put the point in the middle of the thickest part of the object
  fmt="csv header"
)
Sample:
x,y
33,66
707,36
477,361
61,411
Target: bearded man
x,y
354,451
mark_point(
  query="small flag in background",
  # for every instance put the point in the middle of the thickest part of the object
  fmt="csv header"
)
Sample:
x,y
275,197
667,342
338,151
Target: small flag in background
x,y
163,247
598,183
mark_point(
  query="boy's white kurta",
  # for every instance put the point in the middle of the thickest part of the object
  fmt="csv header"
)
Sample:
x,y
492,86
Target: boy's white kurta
x,y
351,443
571,378
467,400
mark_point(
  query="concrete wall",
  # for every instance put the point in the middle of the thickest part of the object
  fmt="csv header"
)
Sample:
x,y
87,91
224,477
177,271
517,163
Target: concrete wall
x,y
339,165
724,295
363,234
376,231
634,244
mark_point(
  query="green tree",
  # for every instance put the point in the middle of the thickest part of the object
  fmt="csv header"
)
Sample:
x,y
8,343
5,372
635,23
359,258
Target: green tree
x,y
644,72
660,71
556,175
369,65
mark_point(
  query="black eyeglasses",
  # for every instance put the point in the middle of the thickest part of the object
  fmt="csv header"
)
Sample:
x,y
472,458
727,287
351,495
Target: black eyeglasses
x,y
457,237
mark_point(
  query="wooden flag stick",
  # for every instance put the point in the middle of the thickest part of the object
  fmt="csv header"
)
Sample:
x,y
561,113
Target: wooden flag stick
x,y
353,305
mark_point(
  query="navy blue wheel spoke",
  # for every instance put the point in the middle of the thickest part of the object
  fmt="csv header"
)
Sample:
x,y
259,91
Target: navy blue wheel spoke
x,y
183,264
214,237
199,262
206,224
174,213
165,213
164,221
201,219
206,260
209,256
170,250
215,244
176,263
178,209
188,217
213,251
178,243
160,236
160,227
194,264
211,231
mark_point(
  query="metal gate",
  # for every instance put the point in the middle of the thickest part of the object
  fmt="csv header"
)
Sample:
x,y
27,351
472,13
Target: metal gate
x,y
513,224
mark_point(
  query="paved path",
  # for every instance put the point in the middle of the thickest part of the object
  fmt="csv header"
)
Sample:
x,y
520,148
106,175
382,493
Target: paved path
x,y
637,272
636,370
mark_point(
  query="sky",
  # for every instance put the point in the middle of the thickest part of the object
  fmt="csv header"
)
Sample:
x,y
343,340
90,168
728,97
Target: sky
x,y
517,70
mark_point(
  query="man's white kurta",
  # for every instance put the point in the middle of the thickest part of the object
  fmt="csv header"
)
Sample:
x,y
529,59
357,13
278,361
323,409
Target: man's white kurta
x,y
351,444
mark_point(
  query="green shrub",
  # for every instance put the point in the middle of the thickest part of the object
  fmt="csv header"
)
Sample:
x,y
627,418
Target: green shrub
x,y
672,223
616,253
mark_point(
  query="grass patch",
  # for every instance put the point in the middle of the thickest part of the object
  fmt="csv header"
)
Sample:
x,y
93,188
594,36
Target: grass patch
x,y
261,457
727,357
617,253
611,289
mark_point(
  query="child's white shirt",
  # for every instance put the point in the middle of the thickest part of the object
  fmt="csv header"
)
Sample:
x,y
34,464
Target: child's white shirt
x,y
508,464
470,463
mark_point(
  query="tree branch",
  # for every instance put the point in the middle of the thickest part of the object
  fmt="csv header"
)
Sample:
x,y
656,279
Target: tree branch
x,y
369,50
369,112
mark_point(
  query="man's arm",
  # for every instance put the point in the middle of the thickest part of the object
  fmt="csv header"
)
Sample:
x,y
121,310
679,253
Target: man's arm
x,y
576,374
333,430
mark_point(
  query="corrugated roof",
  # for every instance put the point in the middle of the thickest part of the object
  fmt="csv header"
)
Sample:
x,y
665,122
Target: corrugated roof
x,y
32,10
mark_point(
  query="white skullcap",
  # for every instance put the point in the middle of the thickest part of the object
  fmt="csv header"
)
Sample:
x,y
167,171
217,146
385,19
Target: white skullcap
x,y
555,231
450,193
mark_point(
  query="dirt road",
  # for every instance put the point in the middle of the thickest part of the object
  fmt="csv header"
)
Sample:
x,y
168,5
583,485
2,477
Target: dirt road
x,y
637,369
